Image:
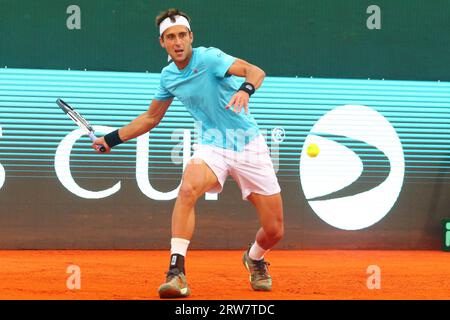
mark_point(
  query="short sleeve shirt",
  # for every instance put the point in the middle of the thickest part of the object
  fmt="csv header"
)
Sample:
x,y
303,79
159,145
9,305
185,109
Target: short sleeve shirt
x,y
205,88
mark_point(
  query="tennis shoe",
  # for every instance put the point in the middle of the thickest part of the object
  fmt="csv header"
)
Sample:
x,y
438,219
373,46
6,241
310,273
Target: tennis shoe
x,y
175,286
260,279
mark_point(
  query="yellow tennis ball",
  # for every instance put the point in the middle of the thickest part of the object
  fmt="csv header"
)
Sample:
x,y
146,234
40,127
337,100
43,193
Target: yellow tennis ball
x,y
313,150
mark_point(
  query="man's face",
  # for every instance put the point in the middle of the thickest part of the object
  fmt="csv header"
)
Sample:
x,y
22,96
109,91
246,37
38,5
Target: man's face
x,y
177,41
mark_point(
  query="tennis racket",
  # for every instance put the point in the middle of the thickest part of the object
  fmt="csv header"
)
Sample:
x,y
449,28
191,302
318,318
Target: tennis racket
x,y
80,121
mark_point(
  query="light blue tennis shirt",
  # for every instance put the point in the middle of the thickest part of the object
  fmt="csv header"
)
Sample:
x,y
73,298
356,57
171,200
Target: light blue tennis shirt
x,y
205,89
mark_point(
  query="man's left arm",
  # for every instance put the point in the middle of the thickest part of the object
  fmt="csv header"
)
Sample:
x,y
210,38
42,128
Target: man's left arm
x,y
254,77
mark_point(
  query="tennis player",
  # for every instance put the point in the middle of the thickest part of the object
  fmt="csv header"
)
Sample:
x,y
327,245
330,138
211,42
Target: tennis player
x,y
230,143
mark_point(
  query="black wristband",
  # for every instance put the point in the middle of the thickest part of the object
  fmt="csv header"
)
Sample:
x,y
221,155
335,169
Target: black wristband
x,y
113,139
248,87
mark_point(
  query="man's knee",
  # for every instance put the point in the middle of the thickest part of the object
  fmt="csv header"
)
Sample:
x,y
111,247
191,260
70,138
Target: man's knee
x,y
188,193
275,232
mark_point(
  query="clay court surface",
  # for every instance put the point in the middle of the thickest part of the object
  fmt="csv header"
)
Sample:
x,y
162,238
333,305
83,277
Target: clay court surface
x,y
37,274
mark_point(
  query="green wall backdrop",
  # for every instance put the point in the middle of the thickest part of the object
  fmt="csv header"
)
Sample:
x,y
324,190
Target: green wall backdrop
x,y
322,38
292,41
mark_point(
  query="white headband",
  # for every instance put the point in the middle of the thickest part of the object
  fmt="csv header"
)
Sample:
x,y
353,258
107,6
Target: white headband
x,y
167,23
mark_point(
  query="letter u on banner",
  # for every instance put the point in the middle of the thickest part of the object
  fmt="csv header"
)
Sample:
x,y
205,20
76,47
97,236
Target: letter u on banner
x,y
142,167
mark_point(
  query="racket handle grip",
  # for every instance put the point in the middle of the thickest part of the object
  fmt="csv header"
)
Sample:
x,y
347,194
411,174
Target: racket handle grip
x,y
99,147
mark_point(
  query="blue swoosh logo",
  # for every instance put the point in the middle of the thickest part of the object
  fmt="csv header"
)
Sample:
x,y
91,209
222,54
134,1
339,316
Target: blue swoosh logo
x,y
373,173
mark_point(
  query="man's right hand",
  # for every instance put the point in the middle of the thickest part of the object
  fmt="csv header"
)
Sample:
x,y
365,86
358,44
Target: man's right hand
x,y
100,142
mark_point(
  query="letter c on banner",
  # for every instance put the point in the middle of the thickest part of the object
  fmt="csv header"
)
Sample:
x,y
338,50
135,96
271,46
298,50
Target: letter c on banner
x,y
62,166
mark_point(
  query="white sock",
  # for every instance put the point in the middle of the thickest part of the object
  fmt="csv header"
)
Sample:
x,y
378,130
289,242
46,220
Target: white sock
x,y
256,252
179,246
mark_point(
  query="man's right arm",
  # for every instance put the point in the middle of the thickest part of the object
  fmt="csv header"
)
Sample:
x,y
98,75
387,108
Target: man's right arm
x,y
142,124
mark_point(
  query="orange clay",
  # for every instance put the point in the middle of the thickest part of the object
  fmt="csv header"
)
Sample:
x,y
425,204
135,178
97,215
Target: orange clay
x,y
41,274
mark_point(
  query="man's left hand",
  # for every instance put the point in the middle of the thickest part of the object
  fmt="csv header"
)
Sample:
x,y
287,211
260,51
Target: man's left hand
x,y
239,100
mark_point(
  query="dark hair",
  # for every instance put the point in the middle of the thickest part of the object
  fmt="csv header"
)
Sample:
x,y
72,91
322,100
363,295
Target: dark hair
x,y
170,13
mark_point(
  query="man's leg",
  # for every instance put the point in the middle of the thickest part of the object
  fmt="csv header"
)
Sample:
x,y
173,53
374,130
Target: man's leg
x,y
198,178
270,212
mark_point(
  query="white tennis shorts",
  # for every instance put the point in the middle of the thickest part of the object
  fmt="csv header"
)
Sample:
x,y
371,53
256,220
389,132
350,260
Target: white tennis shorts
x,y
252,168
